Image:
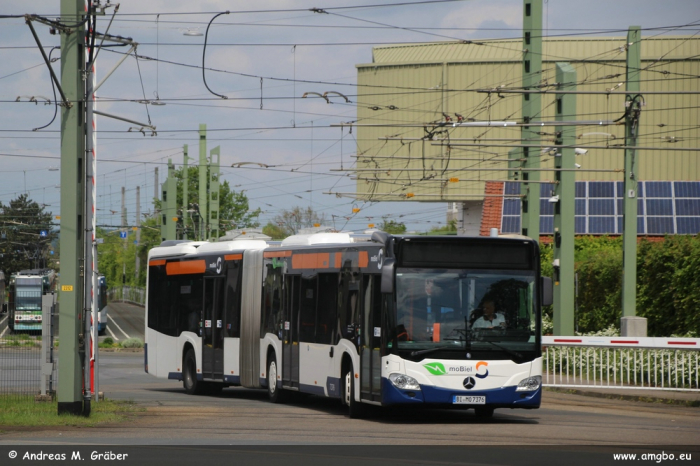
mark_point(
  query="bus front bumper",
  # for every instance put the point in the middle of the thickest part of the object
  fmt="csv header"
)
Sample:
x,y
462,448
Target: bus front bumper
x,y
504,397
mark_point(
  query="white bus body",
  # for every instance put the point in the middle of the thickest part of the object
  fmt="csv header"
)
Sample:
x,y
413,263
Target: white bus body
x,y
389,321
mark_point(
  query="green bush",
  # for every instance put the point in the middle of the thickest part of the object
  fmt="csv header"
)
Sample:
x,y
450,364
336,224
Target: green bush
x,y
132,343
668,284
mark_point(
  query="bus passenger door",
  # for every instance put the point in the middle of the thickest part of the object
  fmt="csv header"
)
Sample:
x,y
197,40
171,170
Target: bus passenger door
x,y
212,329
290,332
370,354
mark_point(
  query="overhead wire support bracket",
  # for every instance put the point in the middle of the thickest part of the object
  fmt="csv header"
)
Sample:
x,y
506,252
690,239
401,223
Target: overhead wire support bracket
x,y
114,68
104,36
142,125
66,103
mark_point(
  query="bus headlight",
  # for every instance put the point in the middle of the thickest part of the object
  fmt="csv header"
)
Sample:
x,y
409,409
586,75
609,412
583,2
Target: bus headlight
x,y
404,382
530,384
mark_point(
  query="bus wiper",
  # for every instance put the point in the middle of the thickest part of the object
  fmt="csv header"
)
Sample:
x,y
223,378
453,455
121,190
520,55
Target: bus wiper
x,y
507,350
432,350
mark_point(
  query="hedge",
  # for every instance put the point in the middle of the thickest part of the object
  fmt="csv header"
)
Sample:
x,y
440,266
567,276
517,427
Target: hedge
x,y
668,283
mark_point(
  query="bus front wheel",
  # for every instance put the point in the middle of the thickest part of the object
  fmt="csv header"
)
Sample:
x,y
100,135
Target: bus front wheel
x,y
273,391
189,374
355,408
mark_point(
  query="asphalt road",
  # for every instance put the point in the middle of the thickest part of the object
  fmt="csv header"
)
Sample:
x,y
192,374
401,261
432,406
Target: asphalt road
x,y
124,321
244,417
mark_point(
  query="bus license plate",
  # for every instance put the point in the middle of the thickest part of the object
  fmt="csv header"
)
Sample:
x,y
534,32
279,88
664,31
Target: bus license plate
x,y
469,400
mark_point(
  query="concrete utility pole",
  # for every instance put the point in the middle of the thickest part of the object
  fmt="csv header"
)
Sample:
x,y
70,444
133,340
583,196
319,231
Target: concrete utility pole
x,y
72,191
168,228
137,265
532,108
156,195
203,196
185,192
126,234
564,201
630,325
215,158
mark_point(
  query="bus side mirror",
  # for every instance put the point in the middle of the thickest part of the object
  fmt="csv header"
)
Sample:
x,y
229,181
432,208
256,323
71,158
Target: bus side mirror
x,y
388,275
547,291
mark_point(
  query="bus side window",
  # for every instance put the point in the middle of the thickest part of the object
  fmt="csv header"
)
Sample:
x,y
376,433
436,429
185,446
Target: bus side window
x,y
307,312
232,309
326,310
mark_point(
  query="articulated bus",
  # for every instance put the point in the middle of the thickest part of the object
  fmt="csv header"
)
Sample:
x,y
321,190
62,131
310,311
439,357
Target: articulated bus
x,y
24,298
381,320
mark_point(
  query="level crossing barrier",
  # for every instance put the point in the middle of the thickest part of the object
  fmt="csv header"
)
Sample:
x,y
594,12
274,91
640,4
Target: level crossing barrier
x,y
621,362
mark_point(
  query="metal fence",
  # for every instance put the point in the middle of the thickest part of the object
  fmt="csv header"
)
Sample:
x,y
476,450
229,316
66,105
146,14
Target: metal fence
x,y
128,294
27,363
622,362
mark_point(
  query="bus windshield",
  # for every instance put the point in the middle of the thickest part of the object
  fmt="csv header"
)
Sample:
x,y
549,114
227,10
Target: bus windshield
x,y
443,312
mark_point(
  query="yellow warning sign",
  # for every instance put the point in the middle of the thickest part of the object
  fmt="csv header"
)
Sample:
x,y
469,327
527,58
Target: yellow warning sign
x,y
66,287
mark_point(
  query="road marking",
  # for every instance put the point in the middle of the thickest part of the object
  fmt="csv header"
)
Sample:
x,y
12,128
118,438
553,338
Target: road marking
x,y
112,333
120,329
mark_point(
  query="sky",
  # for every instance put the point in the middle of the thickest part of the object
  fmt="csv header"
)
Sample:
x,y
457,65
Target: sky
x,y
280,45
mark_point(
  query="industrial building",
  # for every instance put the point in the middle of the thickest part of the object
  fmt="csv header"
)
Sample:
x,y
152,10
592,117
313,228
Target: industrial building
x,y
437,122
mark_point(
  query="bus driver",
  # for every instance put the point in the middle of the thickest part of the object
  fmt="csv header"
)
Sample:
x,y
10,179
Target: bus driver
x,y
490,319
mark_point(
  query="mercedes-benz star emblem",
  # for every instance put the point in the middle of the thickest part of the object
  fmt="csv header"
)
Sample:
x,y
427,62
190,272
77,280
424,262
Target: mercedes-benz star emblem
x,y
469,383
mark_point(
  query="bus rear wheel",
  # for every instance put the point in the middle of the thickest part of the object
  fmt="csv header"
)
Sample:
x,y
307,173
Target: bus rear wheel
x,y
189,374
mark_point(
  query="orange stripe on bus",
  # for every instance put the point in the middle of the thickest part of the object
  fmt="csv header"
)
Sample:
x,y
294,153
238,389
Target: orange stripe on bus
x,y
338,260
277,254
319,260
157,262
233,257
185,267
364,259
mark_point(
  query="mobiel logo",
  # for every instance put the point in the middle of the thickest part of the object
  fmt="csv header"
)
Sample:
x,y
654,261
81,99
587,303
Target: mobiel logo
x,y
438,368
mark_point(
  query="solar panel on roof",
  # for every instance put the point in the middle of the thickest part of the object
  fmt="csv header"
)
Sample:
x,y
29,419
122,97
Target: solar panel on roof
x,y
687,188
688,225
601,225
659,225
669,207
658,189
659,207
601,189
512,188
546,207
601,207
546,189
580,225
510,225
511,207
546,225
580,189
688,207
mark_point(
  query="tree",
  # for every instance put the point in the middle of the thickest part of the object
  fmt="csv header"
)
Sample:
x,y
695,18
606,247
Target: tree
x,y
234,210
22,244
274,231
116,257
291,221
393,227
449,229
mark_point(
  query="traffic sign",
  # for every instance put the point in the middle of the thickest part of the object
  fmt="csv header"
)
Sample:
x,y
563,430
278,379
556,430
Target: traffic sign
x,y
42,233
122,234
